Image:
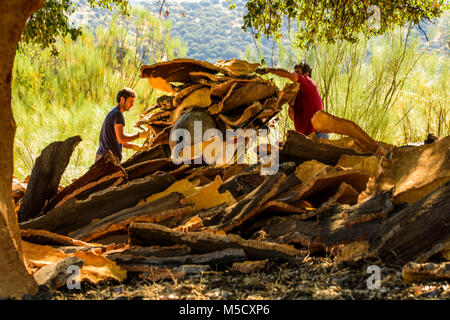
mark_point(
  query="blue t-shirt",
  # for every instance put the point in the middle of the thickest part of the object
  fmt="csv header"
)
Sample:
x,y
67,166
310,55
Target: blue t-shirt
x,y
108,140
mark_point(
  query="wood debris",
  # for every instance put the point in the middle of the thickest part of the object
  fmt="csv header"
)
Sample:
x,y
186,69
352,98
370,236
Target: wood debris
x,y
418,272
250,266
55,275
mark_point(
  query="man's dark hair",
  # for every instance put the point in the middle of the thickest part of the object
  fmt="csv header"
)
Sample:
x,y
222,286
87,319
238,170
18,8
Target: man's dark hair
x,y
126,93
305,68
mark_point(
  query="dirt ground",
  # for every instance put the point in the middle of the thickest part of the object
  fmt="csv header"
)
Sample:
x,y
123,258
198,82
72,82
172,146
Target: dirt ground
x,y
303,279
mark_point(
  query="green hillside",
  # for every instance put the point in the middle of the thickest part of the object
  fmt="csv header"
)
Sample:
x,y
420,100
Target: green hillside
x,y
213,32
210,29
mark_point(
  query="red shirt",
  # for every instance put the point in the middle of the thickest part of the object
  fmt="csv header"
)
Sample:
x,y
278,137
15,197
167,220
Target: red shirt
x,y
307,103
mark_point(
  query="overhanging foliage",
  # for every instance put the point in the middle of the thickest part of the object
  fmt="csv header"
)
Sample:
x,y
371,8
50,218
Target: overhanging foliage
x,y
51,21
330,20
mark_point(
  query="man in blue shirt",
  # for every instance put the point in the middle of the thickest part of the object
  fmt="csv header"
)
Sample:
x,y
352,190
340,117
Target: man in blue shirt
x,y
112,136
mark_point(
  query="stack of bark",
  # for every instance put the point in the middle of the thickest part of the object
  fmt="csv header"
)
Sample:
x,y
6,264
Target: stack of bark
x,y
150,216
229,91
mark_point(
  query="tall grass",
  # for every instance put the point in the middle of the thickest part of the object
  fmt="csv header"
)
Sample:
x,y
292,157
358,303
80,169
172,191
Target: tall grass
x,y
394,87
56,97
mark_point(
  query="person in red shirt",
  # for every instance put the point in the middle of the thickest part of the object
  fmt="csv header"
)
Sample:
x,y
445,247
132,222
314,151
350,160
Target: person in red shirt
x,y
308,100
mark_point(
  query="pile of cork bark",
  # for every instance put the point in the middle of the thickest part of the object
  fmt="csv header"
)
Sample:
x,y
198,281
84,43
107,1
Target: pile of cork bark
x,y
228,94
159,219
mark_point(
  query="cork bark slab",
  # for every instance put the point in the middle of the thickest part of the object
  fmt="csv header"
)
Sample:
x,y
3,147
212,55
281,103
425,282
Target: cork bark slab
x,y
177,70
104,170
299,148
239,119
414,171
247,94
417,232
75,214
326,123
155,212
202,242
45,176
235,67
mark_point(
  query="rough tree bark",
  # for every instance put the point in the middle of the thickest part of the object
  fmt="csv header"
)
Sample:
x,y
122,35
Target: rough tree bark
x,y
14,277
45,176
299,148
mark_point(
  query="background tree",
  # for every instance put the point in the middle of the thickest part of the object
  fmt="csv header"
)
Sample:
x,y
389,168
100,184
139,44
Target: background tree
x,y
48,23
51,22
331,20
14,277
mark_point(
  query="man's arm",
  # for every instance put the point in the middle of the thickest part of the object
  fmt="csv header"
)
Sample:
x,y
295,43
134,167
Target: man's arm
x,y
280,72
125,139
122,137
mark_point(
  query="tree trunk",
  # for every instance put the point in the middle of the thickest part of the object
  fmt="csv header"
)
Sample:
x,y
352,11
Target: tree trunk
x,y
14,277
